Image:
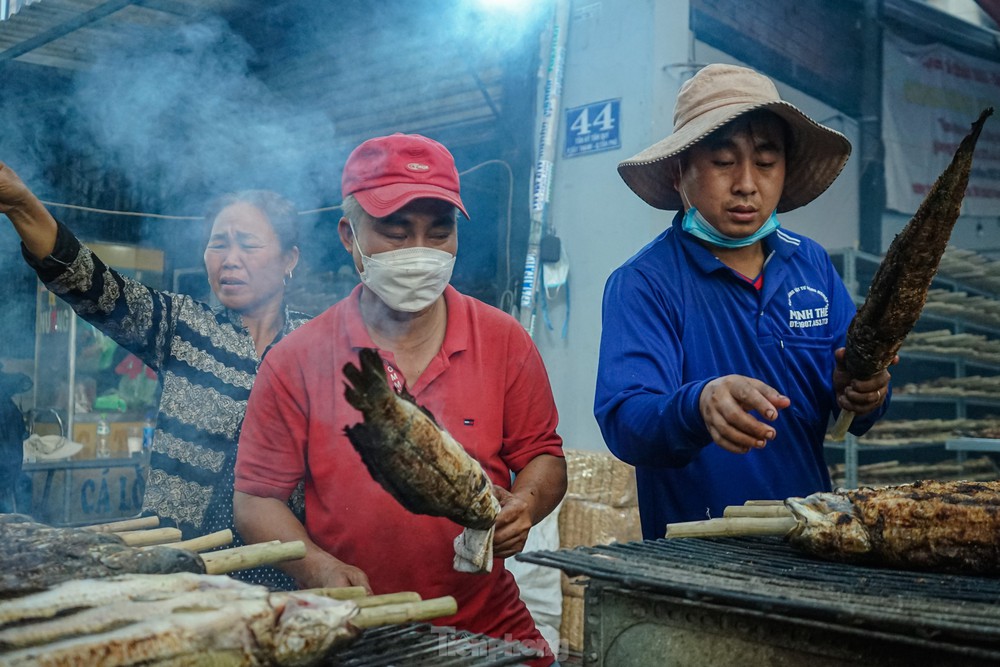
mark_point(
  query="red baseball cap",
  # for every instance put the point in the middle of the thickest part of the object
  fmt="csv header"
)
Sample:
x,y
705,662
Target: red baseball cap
x,y
386,173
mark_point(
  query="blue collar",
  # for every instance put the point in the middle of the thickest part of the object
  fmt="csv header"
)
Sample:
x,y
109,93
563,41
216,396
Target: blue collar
x,y
782,243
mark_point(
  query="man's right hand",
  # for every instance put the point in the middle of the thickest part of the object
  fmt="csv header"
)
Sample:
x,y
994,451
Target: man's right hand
x,y
726,403
263,518
336,573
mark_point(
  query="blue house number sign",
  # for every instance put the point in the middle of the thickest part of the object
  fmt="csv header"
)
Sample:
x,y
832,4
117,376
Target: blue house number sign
x,y
593,128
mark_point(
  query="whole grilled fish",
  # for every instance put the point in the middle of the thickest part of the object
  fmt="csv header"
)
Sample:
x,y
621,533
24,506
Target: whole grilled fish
x,y
899,289
36,556
410,456
942,526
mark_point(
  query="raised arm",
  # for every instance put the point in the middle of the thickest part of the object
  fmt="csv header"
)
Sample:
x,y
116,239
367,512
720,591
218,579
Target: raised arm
x,y
137,317
31,220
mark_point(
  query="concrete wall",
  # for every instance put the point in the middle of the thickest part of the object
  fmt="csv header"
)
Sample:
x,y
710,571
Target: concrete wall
x,y
638,51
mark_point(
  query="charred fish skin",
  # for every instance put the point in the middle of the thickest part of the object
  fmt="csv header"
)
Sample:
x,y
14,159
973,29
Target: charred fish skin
x,y
940,526
899,288
37,556
409,455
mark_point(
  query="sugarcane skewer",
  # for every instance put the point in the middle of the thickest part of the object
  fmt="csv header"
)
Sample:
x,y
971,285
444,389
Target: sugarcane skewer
x,y
899,289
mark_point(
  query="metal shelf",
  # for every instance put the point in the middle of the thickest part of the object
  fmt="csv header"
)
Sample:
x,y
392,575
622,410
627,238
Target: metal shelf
x,y
948,359
989,445
981,401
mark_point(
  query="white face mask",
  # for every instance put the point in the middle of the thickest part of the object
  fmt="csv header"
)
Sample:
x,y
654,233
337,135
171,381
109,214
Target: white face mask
x,y
409,279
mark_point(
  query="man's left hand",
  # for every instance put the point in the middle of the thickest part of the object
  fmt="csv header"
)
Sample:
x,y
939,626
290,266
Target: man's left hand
x,y
513,524
859,396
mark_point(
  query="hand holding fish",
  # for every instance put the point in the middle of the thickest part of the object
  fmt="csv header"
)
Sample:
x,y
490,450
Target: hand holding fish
x,y
725,405
860,396
513,524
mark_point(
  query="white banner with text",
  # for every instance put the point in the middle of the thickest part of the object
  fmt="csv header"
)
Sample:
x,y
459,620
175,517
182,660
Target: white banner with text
x,y
931,96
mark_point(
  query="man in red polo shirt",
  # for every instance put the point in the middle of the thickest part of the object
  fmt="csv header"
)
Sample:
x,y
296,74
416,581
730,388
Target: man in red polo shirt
x,y
473,366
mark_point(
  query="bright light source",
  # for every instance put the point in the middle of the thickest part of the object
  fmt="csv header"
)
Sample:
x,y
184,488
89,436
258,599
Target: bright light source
x,y
504,5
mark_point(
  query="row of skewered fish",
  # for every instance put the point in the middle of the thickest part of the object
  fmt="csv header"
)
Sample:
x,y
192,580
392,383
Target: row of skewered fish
x,y
79,596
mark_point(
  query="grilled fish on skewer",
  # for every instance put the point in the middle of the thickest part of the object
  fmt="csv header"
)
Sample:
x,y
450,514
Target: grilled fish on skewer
x,y
950,526
899,289
407,453
36,556
941,526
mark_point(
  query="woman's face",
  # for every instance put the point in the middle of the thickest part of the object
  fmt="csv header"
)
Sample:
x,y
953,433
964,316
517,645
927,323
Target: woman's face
x,y
245,264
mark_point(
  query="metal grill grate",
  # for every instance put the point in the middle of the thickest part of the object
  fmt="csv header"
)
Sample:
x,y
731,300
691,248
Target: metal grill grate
x,y
766,574
424,644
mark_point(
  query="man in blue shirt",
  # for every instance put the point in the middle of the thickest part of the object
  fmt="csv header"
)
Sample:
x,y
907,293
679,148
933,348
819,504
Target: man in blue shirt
x,y
722,349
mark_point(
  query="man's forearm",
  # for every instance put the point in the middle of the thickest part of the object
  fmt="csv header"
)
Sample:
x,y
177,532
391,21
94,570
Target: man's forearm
x,y
264,519
541,484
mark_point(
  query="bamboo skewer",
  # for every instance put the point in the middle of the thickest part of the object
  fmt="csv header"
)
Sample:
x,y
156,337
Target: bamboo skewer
x,y
756,511
126,524
205,542
402,597
732,527
406,612
153,536
252,555
360,597
341,593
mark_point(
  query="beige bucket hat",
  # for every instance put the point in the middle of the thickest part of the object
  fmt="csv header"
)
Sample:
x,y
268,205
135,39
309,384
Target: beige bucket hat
x,y
711,98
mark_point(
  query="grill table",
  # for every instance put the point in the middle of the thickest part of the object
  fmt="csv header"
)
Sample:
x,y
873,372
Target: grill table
x,y
756,601
414,645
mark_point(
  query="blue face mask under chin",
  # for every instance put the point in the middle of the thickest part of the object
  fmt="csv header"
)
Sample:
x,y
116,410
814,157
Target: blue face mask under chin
x,y
694,223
